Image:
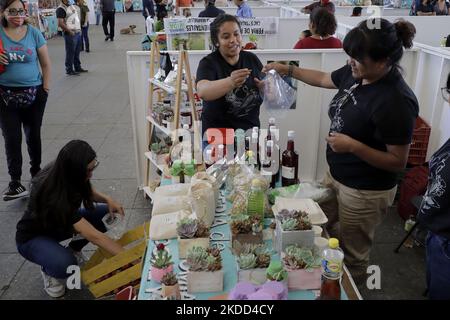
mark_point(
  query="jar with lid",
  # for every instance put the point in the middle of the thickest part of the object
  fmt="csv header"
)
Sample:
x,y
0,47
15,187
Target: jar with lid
x,y
186,117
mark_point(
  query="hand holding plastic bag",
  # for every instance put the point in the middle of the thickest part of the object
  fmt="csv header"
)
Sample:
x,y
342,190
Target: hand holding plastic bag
x,y
278,94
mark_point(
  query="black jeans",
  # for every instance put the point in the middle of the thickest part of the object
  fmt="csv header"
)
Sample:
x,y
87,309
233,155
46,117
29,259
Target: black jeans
x,y
11,121
108,17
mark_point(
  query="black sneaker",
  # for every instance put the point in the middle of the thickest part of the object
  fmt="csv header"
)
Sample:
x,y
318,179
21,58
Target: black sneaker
x,y
72,73
112,39
107,38
15,190
81,70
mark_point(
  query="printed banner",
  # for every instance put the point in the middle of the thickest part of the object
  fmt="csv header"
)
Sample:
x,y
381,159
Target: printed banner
x,y
257,26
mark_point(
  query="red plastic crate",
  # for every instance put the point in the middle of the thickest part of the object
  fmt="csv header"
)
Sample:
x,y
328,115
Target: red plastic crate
x,y
419,144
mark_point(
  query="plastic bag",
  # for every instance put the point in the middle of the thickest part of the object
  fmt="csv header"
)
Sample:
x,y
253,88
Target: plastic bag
x,y
115,225
306,190
278,94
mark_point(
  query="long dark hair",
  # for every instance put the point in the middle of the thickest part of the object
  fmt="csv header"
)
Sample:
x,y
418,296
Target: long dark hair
x,y
4,4
64,186
217,23
379,39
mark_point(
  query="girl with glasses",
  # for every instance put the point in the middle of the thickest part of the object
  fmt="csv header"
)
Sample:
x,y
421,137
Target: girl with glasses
x,y
63,203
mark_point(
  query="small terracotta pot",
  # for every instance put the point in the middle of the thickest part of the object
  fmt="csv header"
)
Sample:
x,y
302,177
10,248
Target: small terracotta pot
x,y
158,274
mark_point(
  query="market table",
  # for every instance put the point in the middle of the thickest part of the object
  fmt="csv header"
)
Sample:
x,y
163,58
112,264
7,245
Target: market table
x,y
147,286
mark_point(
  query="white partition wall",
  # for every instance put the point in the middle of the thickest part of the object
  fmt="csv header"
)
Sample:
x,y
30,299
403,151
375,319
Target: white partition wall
x,y
425,70
271,11
430,30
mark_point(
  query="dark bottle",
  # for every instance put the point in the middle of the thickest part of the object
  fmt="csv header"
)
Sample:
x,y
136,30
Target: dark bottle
x,y
271,124
268,166
276,151
289,163
330,289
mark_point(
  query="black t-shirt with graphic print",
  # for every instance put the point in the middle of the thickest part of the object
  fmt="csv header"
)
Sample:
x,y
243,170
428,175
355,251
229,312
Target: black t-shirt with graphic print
x,y
434,212
377,114
238,109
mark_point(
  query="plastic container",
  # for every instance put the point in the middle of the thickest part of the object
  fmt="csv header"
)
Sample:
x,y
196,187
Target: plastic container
x,y
332,260
114,224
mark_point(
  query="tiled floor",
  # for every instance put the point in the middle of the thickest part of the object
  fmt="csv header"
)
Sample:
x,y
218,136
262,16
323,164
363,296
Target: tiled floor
x,y
95,107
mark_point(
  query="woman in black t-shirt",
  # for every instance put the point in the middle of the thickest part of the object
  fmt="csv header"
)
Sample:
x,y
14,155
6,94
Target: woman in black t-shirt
x,y
226,79
54,215
372,120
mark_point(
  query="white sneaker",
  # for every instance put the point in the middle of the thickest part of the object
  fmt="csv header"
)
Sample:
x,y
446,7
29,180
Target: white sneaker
x,y
52,286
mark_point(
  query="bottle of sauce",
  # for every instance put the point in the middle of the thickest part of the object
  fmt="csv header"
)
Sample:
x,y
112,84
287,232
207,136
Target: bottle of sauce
x,y
289,163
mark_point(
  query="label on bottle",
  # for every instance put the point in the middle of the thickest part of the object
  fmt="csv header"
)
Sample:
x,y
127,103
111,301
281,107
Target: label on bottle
x,y
185,120
332,268
288,172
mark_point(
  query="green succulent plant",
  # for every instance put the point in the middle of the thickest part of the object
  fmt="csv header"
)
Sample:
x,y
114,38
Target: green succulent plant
x,y
187,228
155,147
247,261
244,251
301,258
161,260
289,224
276,272
169,279
201,259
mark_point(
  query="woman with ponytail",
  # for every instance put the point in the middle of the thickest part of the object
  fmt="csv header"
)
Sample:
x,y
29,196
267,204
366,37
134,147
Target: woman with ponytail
x,y
372,121
23,91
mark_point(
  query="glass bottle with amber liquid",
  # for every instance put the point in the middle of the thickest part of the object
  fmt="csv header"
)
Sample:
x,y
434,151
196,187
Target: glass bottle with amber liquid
x,y
289,163
268,167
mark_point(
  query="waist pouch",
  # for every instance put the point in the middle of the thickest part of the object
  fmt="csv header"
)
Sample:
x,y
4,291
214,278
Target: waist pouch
x,y
18,97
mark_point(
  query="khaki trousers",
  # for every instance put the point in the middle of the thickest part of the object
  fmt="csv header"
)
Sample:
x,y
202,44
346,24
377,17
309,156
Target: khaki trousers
x,y
352,218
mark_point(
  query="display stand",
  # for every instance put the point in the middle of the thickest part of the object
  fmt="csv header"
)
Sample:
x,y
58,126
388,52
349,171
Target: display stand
x,y
152,124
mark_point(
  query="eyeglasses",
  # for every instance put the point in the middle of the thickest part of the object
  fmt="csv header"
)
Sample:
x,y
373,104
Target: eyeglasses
x,y
16,12
94,167
445,93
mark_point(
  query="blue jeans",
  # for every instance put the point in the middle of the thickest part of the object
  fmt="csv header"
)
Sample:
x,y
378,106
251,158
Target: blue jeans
x,y
52,256
438,267
98,15
85,38
73,48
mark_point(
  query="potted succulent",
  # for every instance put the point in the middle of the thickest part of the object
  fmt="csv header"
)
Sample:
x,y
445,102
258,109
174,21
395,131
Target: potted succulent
x,y
252,262
293,227
191,233
246,229
170,287
277,279
176,171
161,262
155,148
205,270
303,268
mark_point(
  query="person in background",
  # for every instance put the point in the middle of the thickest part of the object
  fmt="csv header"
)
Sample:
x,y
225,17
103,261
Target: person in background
x,y
182,4
434,215
211,11
159,25
84,21
161,7
305,34
356,12
69,22
319,4
227,79
244,10
148,10
425,8
23,92
442,8
63,204
323,25
108,17
372,122
98,12
221,3
187,13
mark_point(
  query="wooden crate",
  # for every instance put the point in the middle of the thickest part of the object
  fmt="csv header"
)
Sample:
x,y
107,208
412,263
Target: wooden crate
x,y
105,274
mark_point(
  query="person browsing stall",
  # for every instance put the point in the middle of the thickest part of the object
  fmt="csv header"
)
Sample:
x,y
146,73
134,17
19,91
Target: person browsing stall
x,y
244,10
211,11
63,203
434,215
322,25
226,79
327,4
372,121
23,92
